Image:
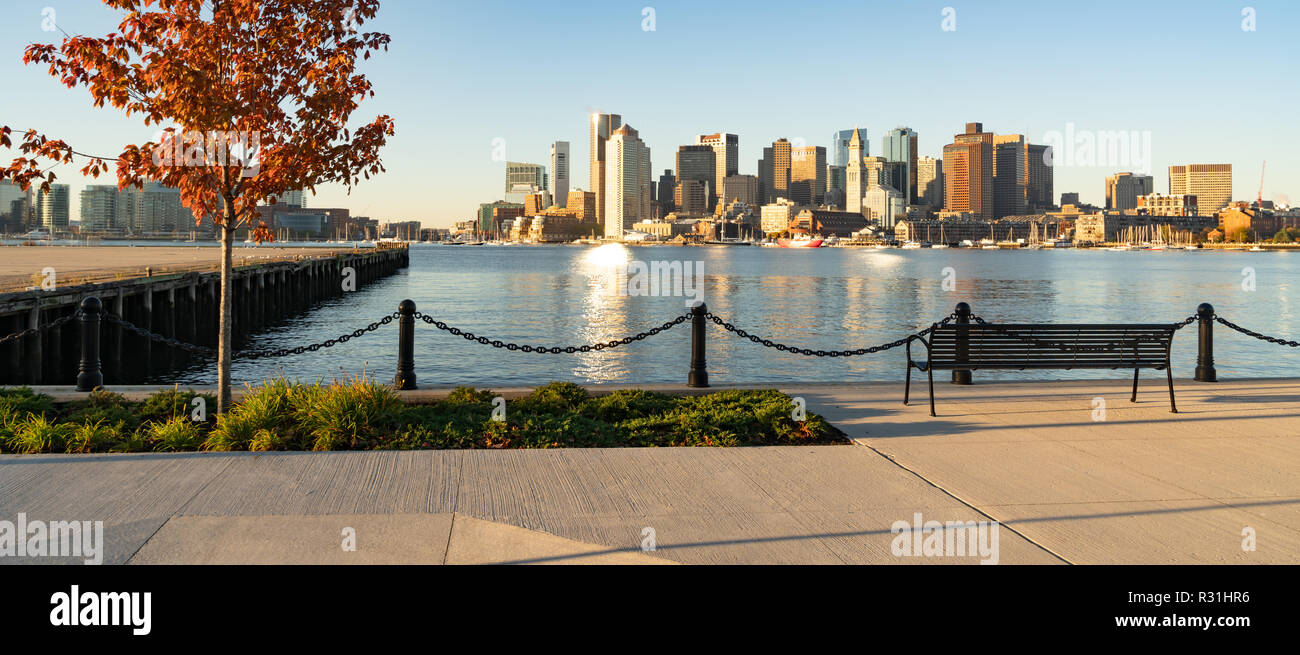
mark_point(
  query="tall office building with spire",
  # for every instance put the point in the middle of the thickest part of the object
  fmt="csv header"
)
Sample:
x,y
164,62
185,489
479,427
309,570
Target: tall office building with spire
x,y
602,127
855,174
626,180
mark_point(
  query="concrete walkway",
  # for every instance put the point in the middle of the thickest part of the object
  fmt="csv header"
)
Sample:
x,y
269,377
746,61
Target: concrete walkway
x,y
1140,486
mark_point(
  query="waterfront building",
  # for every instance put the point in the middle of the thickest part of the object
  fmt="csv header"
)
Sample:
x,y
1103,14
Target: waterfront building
x,y
726,155
1124,189
1112,226
929,181
780,169
808,175
602,127
699,163
690,198
1009,175
488,214
1238,217
1154,204
968,172
826,222
627,181
741,187
99,207
899,146
884,205
16,213
520,173
52,212
582,204
1210,183
559,186
776,217
1040,177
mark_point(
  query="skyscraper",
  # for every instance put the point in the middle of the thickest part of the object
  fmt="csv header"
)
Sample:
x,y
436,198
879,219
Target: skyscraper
x,y
667,183
699,163
781,155
1038,189
899,145
1210,183
627,181
560,172
517,173
726,150
52,207
15,207
929,181
602,126
765,176
840,146
1123,189
808,175
855,176
968,172
99,207
1009,175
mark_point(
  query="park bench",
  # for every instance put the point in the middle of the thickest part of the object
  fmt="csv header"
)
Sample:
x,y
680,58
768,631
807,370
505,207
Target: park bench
x,y
975,346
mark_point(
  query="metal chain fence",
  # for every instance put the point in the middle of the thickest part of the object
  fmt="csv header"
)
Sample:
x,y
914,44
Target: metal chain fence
x,y
554,350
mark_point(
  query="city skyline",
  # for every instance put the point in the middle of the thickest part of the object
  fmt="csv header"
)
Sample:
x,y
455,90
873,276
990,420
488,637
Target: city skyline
x,y
442,163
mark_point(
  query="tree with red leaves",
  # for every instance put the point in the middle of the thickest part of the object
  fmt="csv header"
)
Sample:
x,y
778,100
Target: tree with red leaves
x,y
254,99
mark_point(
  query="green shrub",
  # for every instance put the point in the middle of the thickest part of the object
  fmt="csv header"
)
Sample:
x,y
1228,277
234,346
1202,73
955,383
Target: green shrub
x,y
38,434
95,437
625,404
105,407
166,405
356,414
469,396
176,434
554,398
17,402
274,408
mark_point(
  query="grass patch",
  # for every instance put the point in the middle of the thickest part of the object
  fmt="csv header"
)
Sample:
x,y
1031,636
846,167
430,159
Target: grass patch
x,y
359,414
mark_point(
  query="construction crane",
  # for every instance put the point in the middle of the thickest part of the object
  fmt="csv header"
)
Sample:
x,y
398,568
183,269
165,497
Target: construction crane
x,y
1259,199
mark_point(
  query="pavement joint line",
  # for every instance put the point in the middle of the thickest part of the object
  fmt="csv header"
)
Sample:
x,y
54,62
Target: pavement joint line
x,y
963,502
179,509
451,529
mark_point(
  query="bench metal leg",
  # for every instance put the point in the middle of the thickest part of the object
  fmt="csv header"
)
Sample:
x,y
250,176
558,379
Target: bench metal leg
x,y
907,386
1135,386
1172,407
930,372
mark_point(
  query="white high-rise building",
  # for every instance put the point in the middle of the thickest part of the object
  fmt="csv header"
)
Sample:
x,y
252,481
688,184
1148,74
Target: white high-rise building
x,y
726,155
855,181
602,126
99,207
560,172
884,205
627,181
52,212
929,181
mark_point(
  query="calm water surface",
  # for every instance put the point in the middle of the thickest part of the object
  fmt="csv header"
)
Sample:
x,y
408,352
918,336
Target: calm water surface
x,y
829,298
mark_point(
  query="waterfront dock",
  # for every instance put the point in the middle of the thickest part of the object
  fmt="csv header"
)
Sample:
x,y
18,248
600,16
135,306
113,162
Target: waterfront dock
x,y
1133,485
168,290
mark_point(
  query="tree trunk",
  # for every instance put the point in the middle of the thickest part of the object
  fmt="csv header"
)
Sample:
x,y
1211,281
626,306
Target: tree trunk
x,y
223,329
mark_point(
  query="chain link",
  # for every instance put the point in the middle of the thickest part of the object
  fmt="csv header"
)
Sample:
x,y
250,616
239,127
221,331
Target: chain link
x,y
248,354
1252,333
555,350
40,328
822,353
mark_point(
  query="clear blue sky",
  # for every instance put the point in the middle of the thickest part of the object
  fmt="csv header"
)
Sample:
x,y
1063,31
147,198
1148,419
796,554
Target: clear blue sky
x,y
459,75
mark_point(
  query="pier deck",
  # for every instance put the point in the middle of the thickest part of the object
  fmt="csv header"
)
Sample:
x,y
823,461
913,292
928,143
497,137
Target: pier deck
x,y
20,266
1142,486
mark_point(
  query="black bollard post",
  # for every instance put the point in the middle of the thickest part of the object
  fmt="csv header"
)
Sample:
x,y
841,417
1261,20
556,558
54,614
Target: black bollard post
x,y
699,376
962,376
1205,352
89,376
405,378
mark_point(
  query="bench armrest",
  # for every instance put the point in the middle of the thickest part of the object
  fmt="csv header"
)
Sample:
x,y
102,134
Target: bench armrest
x,y
908,350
